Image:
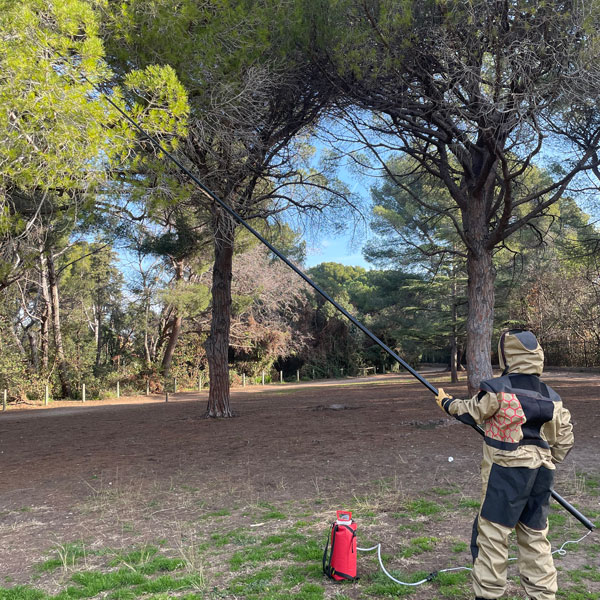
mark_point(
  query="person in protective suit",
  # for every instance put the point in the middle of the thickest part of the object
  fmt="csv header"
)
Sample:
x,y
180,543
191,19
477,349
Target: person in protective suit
x,y
527,431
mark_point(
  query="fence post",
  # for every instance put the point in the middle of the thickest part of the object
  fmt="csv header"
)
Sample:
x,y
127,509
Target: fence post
x,y
313,373
118,390
166,396
4,400
174,385
298,375
280,376
147,387
263,377
83,392
46,396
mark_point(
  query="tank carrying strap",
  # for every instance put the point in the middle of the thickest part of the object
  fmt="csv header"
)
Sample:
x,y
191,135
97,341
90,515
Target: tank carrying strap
x,y
327,568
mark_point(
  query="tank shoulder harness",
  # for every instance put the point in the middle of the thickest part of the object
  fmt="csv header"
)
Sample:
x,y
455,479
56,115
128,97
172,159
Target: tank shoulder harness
x,y
341,563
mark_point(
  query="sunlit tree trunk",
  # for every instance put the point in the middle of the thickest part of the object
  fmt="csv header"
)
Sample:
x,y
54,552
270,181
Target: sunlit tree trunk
x,y
175,328
480,296
55,311
217,344
99,337
45,313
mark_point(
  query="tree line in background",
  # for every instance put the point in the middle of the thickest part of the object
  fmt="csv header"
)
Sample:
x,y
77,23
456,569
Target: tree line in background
x,y
477,123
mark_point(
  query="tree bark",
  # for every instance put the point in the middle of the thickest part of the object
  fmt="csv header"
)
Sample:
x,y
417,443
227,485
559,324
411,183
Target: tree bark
x,y
480,318
45,316
453,335
147,352
175,328
99,338
55,310
217,343
453,357
33,349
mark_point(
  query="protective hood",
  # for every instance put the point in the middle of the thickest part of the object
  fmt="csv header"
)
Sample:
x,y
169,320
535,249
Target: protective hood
x,y
520,352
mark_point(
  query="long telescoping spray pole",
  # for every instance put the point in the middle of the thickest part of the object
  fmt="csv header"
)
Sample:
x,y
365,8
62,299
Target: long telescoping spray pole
x,y
578,515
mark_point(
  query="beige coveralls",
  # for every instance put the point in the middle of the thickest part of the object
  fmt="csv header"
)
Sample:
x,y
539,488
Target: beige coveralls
x,y
527,431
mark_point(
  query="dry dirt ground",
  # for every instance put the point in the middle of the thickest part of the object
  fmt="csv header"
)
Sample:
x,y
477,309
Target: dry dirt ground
x,y
116,473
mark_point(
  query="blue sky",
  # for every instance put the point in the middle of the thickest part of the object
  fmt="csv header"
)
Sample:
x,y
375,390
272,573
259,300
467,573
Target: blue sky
x,y
345,247
340,249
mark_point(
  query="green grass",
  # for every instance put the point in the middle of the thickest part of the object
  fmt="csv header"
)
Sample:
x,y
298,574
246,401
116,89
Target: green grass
x,y
134,557
299,524
593,550
239,537
557,519
146,561
277,547
412,527
591,483
591,573
577,593
274,514
223,512
247,585
92,583
310,550
274,540
296,574
382,586
422,507
126,576
281,559
419,546
167,583
123,584
310,591
439,491
456,584
65,556
21,592
248,556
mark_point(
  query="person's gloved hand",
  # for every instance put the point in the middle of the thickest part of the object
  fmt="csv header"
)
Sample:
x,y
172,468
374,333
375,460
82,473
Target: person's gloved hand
x,y
441,396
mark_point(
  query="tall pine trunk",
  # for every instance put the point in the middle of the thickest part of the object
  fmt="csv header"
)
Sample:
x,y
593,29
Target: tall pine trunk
x,y
454,333
175,328
55,310
480,318
480,292
217,344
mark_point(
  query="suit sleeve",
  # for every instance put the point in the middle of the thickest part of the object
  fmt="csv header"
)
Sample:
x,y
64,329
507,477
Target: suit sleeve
x,y
559,433
475,410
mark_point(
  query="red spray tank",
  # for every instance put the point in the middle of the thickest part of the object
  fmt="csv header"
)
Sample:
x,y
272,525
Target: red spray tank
x,y
341,563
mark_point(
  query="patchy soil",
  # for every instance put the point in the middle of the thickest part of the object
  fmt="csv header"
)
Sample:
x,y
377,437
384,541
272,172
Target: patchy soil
x,y
119,473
